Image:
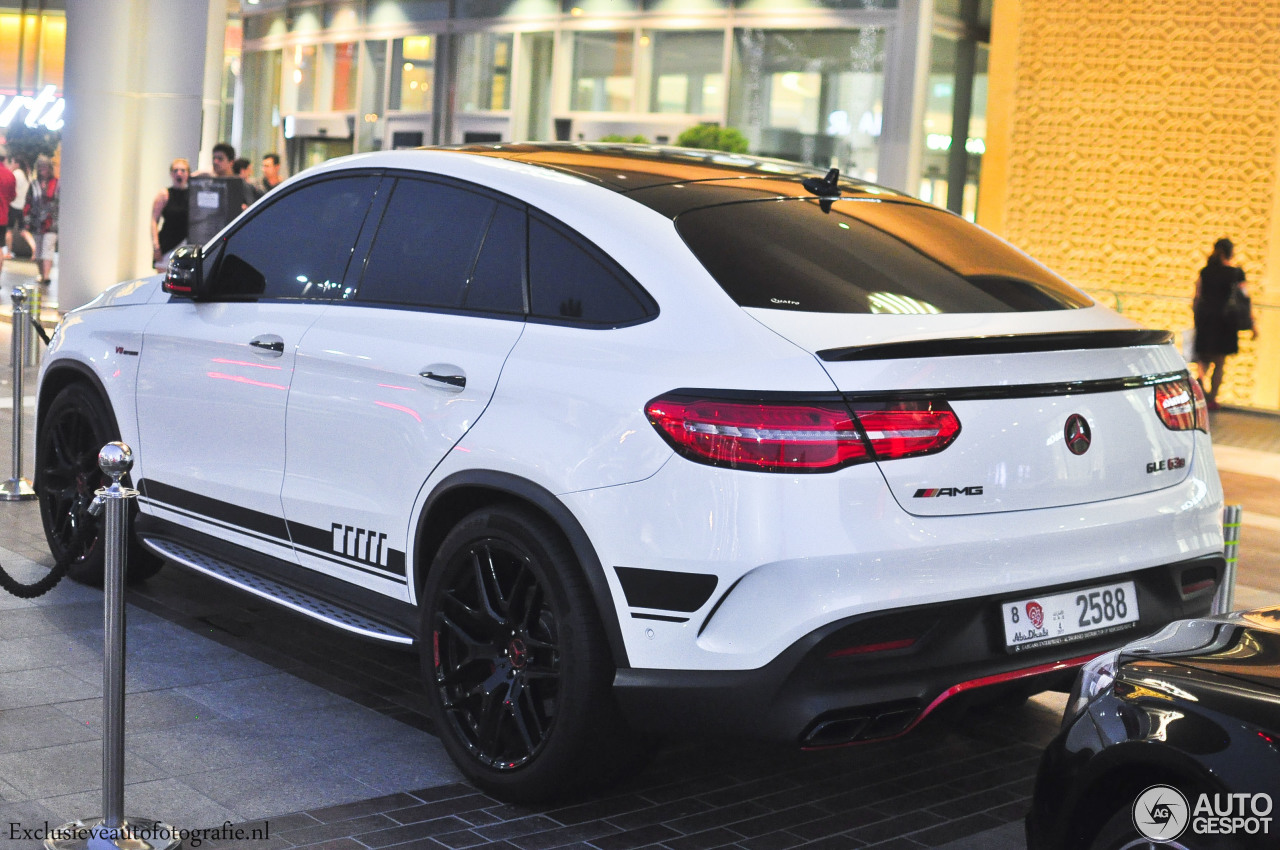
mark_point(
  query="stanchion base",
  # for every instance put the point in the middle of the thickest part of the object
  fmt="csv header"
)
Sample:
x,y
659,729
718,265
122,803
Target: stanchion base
x,y
134,834
16,490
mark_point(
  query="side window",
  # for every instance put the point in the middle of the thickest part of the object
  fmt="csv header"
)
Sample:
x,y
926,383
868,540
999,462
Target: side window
x,y
426,248
497,284
299,245
569,280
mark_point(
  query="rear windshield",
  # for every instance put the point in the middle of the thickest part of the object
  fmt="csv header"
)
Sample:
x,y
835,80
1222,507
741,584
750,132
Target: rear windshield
x,y
866,256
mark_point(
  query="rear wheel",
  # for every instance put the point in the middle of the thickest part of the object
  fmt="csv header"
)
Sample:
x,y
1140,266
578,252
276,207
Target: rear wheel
x,y
1119,833
517,664
72,432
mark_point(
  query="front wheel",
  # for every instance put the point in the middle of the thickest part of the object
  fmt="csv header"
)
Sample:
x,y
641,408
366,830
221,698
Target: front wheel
x,y
72,432
516,662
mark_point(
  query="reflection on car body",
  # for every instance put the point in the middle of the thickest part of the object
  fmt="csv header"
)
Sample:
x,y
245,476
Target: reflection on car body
x,y
1193,711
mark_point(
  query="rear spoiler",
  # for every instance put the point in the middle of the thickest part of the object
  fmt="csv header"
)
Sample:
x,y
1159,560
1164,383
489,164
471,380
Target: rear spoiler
x,y
1005,344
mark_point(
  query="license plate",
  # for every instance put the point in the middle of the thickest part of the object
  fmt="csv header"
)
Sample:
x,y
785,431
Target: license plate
x,y
1075,615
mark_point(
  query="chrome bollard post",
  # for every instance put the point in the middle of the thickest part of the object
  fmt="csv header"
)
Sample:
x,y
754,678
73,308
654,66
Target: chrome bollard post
x,y
1225,599
113,831
35,304
115,460
17,488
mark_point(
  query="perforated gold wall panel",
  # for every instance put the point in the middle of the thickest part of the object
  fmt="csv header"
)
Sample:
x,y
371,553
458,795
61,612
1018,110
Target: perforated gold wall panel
x,y
1134,134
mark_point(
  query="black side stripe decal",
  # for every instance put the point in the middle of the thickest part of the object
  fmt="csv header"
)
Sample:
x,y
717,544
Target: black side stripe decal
x,y
321,540
312,541
274,541
234,515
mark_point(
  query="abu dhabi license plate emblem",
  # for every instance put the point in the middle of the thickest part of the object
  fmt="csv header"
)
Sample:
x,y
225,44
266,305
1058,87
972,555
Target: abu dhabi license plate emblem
x,y
1075,615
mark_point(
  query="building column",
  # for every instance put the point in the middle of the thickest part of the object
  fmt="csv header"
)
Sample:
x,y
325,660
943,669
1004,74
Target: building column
x,y
215,39
133,83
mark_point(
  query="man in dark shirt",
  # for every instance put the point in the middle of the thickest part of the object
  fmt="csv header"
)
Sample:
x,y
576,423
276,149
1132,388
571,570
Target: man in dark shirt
x,y
271,172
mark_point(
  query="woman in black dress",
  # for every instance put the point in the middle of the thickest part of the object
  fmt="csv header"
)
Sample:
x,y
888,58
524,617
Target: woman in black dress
x,y
169,214
1216,336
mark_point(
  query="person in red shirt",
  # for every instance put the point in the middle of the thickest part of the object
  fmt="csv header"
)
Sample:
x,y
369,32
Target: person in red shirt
x,y
8,192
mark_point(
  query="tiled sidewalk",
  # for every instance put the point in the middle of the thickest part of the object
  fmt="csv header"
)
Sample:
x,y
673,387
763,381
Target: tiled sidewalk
x,y
237,712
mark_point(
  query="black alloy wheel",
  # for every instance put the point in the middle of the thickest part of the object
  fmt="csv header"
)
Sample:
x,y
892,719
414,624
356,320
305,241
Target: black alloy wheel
x,y
517,665
497,655
72,432
1119,833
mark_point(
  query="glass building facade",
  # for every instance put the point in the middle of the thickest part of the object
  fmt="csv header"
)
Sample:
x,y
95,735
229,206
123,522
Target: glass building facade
x,y
32,45
872,87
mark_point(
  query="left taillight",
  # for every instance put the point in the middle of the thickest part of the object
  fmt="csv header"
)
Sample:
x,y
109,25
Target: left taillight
x,y
1181,406
800,436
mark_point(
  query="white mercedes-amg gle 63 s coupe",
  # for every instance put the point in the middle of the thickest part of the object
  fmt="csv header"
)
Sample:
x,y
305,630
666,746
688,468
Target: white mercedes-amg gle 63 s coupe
x,y
630,440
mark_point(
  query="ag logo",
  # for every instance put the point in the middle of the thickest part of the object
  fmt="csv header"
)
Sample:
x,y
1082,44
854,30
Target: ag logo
x,y
1161,813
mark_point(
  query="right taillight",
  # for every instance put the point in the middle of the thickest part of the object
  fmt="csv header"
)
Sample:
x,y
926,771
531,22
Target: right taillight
x,y
1180,404
799,436
908,428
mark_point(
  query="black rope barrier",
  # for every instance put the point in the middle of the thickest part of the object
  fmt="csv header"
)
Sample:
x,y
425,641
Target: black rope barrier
x,y
50,581
40,331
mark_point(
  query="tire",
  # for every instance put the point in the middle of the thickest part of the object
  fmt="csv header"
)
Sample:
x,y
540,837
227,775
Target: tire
x,y
72,432
1119,833
517,666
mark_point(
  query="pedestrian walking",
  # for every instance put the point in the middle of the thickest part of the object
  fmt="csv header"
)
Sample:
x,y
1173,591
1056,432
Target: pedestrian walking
x,y
8,191
271,171
169,214
18,208
43,217
1217,328
243,168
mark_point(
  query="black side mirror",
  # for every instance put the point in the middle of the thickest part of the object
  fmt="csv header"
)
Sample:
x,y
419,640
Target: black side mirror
x,y
185,276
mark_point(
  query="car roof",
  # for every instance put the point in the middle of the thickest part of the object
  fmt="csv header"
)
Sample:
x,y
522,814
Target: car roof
x,y
672,180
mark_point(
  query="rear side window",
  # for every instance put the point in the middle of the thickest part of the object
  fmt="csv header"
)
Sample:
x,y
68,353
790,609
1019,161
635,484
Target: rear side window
x,y
570,280
866,257
299,245
497,283
426,247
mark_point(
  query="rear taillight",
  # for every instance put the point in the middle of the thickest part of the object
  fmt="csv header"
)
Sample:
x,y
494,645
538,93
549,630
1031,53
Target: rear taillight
x,y
1181,405
907,429
766,437
799,436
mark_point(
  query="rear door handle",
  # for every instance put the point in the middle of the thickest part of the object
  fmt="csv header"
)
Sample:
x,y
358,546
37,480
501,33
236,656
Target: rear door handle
x,y
269,343
451,382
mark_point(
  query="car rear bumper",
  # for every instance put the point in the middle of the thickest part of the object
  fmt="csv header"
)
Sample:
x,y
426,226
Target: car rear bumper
x,y
876,676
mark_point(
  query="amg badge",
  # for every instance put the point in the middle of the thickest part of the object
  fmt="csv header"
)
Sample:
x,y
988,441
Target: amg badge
x,y
948,491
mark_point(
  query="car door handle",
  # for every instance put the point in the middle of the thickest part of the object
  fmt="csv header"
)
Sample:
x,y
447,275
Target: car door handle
x,y
269,342
453,383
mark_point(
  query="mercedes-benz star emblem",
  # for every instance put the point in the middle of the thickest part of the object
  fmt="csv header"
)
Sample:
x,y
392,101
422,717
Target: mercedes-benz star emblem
x,y
1077,434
